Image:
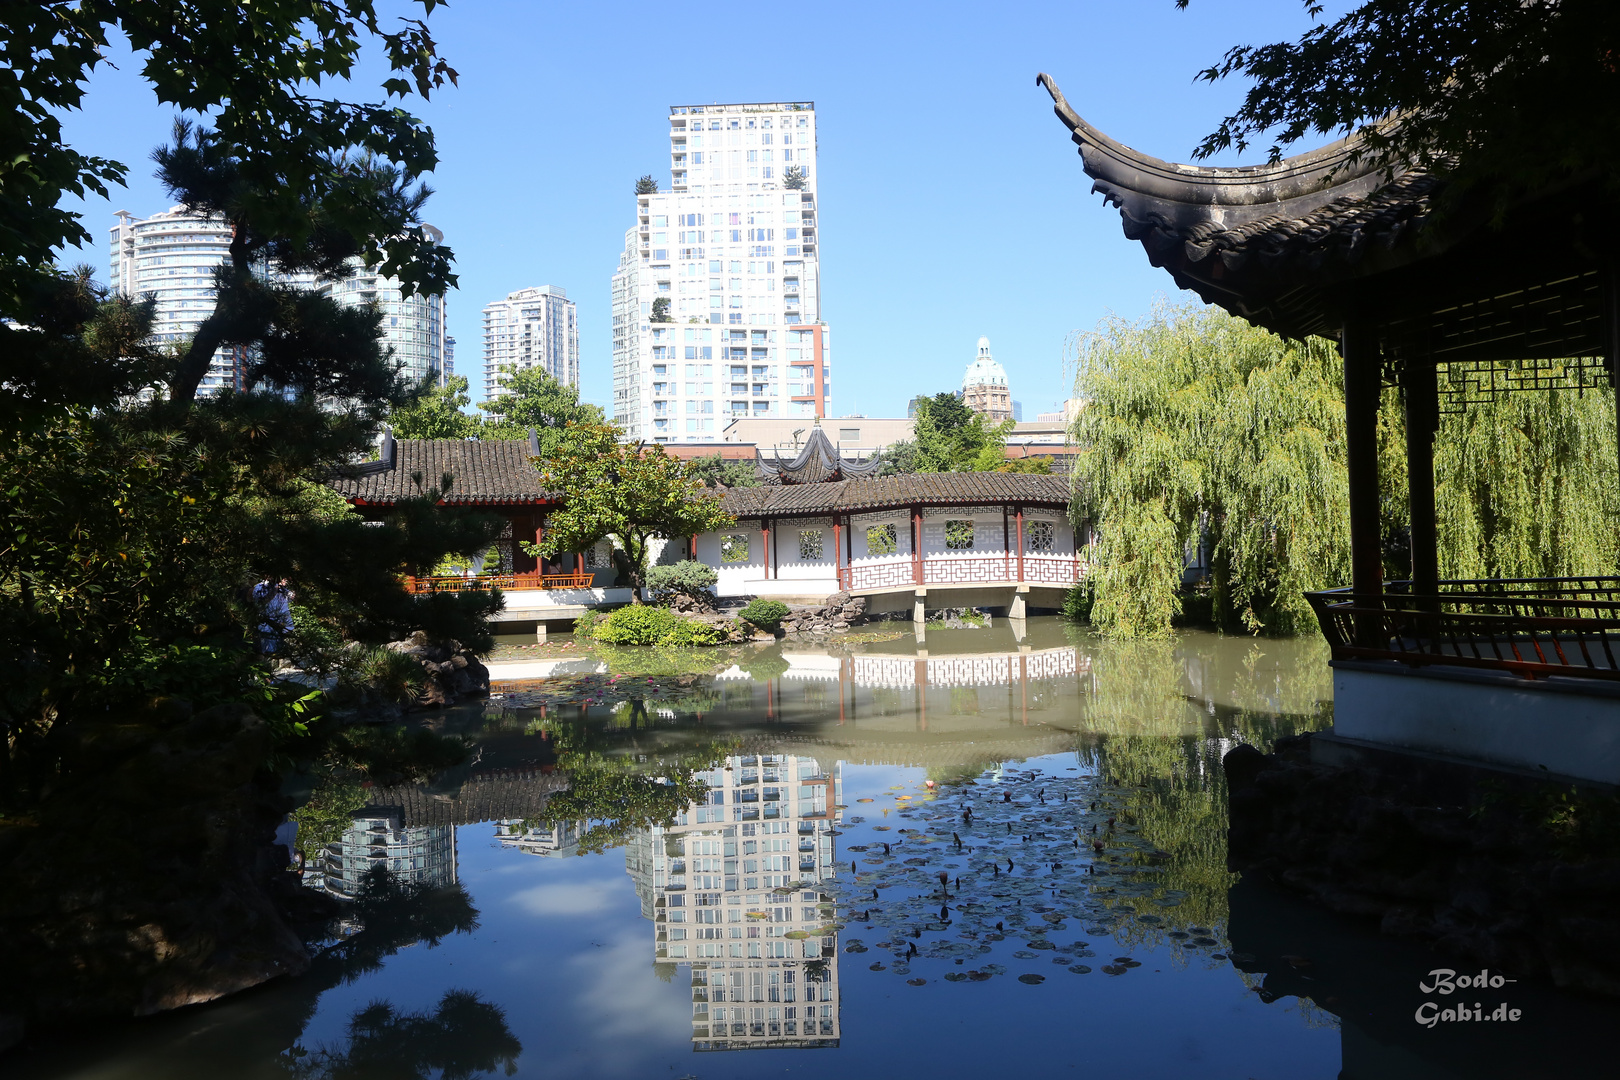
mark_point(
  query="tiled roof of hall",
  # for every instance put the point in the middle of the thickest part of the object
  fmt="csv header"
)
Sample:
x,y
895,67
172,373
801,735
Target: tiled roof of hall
x,y
498,472
909,489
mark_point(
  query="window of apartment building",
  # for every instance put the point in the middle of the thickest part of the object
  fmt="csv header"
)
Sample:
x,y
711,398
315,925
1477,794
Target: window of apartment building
x,y
738,408
849,434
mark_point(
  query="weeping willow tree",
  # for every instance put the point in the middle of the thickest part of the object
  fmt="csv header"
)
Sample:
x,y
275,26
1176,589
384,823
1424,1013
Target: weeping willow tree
x,y
1200,429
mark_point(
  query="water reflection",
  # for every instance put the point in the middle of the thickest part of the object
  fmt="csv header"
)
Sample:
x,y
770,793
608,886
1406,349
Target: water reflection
x,y
658,854
735,891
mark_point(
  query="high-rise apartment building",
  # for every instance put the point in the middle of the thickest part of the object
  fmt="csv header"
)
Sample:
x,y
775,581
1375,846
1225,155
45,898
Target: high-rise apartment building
x,y
735,890
413,327
717,299
984,386
173,255
536,327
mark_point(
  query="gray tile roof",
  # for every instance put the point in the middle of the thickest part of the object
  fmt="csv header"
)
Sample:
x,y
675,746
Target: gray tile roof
x,y
927,489
494,472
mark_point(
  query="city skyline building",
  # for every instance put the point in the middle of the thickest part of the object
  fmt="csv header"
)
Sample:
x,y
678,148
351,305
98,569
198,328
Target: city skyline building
x,y
735,892
421,855
536,327
716,303
173,255
984,386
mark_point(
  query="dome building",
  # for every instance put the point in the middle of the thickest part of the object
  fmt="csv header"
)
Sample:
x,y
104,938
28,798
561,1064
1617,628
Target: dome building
x,y
984,386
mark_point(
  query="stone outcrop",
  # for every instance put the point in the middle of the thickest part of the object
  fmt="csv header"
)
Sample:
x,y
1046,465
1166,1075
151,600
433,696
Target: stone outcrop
x,y
1481,864
453,673
838,613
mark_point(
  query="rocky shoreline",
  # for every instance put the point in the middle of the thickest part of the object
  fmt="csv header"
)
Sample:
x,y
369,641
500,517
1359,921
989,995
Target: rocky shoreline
x,y
1512,872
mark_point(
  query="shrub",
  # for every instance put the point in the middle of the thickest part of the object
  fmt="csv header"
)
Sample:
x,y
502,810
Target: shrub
x,y
586,625
693,632
1077,602
765,614
638,624
367,674
687,577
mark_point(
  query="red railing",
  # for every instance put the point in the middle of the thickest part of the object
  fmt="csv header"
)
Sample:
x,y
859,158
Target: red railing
x,y
485,582
961,570
1528,627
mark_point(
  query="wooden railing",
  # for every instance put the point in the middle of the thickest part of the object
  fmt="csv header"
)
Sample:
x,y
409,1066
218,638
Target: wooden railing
x,y
1532,628
485,582
986,567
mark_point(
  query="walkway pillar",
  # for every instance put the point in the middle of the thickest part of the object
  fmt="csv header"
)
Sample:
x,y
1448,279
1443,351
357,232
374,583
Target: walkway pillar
x,y
1612,336
765,538
1422,420
1362,386
838,554
916,546
1020,543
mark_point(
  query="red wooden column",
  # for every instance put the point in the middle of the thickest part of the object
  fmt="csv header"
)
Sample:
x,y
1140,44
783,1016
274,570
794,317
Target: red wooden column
x,y
765,556
691,548
1006,542
579,563
1362,387
1020,543
916,546
838,571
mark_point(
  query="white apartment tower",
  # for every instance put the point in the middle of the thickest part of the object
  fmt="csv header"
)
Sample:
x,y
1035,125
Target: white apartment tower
x,y
728,257
173,256
536,327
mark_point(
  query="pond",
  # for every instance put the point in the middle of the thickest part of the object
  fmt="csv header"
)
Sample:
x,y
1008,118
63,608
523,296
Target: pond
x,y
980,852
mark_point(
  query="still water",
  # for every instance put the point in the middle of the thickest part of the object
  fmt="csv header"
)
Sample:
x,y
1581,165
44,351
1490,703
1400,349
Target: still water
x,y
979,853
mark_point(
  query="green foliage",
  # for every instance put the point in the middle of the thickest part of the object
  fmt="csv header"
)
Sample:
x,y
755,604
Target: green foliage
x,y
1198,420
1077,602
391,754
950,437
793,178
315,644
463,1037
318,184
1037,466
660,310
371,675
691,632
1526,486
899,458
326,816
585,626
765,614
638,624
716,471
647,185
630,494
535,399
766,665
687,577
1482,89
436,412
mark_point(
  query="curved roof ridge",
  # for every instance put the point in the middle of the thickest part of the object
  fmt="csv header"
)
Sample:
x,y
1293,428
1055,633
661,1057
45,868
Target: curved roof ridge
x,y
1147,188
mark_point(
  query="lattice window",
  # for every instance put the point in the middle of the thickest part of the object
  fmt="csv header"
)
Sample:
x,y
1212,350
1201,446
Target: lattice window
x,y
734,548
595,557
959,535
1038,536
882,540
810,545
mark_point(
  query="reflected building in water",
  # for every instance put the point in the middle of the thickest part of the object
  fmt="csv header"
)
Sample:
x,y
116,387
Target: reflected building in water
x,y
416,855
559,841
734,890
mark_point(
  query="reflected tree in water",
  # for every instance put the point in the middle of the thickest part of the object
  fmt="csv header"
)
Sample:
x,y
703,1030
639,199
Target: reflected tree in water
x,y
462,1038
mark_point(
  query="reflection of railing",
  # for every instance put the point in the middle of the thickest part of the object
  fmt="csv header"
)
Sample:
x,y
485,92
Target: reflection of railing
x,y
485,582
896,572
1527,627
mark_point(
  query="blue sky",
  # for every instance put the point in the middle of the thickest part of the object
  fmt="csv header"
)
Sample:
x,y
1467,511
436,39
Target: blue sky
x,y
952,203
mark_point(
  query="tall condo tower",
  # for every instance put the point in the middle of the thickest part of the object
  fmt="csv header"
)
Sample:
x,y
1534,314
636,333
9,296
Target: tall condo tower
x,y
173,255
717,299
536,327
413,327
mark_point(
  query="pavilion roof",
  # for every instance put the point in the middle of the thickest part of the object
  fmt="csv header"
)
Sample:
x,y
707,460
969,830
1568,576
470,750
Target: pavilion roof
x,y
816,463
483,473
1302,245
875,493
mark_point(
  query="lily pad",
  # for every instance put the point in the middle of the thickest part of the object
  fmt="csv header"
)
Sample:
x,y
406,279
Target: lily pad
x,y
916,982
1032,979
1080,969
